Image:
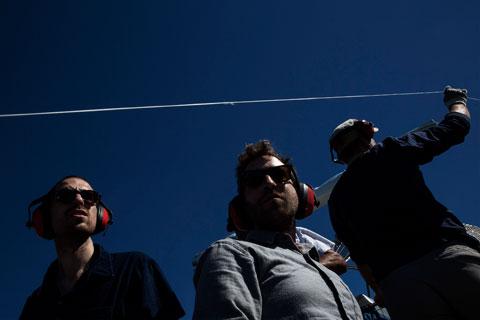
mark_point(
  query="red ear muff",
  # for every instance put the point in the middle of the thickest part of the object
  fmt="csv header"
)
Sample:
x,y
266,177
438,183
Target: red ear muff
x,y
39,219
104,217
37,222
306,198
236,216
306,201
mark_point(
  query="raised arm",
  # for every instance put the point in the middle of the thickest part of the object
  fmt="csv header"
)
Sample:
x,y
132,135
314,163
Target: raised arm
x,y
422,146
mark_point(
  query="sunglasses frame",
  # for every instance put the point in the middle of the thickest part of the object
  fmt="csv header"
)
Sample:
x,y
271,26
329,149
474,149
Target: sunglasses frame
x,y
260,174
68,198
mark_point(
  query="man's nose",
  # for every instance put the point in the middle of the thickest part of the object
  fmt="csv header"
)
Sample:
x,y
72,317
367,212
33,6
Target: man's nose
x,y
78,199
269,182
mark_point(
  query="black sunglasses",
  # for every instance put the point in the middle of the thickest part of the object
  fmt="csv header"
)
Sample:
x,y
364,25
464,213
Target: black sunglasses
x,y
254,178
68,195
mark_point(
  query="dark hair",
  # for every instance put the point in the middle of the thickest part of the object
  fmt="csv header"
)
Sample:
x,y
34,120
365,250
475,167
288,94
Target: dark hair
x,y
251,152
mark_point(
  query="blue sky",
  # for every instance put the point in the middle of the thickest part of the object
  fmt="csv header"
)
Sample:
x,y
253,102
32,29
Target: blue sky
x,y
168,174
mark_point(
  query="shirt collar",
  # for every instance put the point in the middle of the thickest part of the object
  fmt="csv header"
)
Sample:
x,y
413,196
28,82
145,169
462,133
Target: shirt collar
x,y
99,265
270,238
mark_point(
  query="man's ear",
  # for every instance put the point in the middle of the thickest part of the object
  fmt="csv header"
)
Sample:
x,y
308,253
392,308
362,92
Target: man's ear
x,y
238,216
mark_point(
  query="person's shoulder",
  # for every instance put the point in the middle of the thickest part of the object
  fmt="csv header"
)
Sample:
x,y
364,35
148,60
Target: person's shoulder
x,y
223,249
33,304
35,295
135,262
121,254
125,259
229,244
131,255
134,257
48,281
381,151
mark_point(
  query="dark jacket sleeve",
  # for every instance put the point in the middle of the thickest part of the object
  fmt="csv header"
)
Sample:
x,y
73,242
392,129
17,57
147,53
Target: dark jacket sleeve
x,y
420,147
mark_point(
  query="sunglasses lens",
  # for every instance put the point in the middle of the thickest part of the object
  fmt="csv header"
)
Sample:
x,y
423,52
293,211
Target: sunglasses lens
x,y
279,174
254,178
89,195
68,195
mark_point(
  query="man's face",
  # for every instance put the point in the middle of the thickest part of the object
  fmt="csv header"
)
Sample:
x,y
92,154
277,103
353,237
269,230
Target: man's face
x,y
271,205
73,216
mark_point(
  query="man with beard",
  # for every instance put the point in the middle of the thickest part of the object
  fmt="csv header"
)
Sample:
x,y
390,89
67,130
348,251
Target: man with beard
x,y
87,282
265,273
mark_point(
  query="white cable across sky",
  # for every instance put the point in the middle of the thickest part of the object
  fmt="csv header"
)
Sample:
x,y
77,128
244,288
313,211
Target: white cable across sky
x,y
226,103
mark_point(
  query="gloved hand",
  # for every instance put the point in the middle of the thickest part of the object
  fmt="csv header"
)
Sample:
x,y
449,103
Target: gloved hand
x,y
453,95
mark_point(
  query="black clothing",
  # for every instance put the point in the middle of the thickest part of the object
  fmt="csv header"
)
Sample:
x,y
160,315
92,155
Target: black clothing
x,y
127,285
381,207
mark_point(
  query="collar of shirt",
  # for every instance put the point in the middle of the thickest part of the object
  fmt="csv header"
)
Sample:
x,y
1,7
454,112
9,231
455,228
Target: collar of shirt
x,y
100,265
272,239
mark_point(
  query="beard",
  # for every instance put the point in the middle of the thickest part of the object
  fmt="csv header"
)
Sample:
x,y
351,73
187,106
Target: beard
x,y
275,215
78,227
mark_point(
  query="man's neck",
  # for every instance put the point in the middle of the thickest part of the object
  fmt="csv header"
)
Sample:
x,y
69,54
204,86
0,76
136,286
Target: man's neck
x,y
73,258
292,232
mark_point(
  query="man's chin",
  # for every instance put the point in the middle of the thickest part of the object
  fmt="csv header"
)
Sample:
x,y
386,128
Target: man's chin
x,y
277,221
274,204
277,207
79,231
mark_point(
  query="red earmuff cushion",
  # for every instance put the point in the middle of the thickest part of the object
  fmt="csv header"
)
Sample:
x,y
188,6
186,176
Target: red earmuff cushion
x,y
104,218
310,206
306,199
235,215
37,222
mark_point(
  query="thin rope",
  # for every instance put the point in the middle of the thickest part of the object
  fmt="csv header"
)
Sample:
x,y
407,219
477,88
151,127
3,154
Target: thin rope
x,y
207,104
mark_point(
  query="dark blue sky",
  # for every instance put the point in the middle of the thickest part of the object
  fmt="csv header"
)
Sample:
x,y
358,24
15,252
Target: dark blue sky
x,y
168,174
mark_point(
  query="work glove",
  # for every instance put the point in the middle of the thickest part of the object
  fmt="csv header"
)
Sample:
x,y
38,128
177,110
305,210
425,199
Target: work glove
x,y
453,95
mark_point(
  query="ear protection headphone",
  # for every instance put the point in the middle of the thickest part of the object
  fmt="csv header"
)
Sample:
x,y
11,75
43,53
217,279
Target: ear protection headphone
x,y
238,219
40,219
